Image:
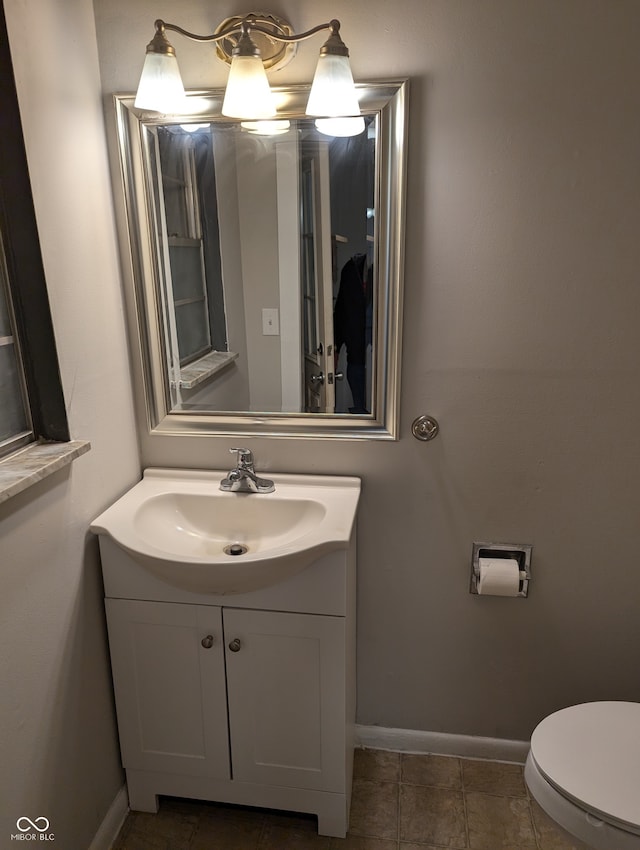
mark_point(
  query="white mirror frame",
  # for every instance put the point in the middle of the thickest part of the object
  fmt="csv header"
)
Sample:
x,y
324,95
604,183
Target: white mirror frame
x,y
143,290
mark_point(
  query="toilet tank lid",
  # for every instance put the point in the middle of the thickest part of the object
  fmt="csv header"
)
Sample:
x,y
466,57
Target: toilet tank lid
x,y
591,754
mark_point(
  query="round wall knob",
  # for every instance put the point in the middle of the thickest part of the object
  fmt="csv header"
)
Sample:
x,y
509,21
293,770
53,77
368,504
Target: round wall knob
x,y
207,641
425,428
235,645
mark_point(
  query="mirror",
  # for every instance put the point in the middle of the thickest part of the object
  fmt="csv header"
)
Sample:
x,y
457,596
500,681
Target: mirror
x,y
265,264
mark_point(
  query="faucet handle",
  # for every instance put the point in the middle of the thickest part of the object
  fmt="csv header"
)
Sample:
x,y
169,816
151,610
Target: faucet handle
x,y
244,456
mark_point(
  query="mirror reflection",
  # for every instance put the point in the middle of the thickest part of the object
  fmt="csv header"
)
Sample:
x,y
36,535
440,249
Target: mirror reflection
x,y
268,280
265,264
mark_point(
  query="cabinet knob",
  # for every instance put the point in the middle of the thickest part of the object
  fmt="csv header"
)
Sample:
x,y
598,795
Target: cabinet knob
x,y
207,641
235,645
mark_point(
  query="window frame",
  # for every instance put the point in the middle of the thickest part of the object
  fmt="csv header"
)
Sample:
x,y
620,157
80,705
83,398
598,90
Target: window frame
x,y
25,270
18,439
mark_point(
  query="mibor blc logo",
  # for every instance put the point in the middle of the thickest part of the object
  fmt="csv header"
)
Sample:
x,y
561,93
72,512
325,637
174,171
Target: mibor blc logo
x,y
33,830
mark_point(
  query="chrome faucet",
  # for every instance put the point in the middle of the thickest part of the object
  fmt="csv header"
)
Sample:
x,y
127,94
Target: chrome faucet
x,y
243,478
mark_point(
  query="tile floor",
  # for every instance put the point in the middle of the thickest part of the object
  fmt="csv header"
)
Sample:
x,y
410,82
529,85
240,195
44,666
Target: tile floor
x,y
400,802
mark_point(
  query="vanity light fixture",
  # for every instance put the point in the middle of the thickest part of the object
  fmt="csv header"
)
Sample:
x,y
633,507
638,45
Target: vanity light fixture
x,y
248,96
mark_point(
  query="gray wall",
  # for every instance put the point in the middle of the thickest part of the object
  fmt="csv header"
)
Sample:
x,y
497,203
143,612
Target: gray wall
x,y
521,314
58,740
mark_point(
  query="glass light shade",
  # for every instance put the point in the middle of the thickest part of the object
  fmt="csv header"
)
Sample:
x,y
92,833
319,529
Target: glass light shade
x,y
193,128
160,88
266,128
248,93
349,126
333,92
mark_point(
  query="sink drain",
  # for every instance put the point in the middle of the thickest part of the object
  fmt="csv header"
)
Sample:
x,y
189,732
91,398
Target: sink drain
x,y
235,549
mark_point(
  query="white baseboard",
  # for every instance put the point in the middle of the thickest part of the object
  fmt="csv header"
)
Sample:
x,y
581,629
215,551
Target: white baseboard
x,y
113,820
441,743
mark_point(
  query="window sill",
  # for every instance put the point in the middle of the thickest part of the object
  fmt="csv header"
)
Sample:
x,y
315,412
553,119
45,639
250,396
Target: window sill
x,y
36,461
200,370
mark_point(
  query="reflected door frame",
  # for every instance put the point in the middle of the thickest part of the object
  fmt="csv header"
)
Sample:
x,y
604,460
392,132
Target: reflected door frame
x,y
316,260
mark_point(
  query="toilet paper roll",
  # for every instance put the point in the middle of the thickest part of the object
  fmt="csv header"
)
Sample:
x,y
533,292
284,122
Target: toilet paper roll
x,y
499,577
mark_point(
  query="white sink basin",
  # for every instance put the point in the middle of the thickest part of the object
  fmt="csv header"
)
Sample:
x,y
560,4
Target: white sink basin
x,y
181,527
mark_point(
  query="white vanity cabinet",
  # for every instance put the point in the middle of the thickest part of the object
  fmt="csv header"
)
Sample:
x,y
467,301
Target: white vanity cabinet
x,y
243,698
283,685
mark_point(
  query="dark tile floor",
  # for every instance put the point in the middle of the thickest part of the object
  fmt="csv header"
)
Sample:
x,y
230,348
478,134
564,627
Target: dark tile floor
x,y
400,802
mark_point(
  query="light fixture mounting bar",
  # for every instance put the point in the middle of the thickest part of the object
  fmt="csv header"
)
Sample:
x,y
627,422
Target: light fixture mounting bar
x,y
247,24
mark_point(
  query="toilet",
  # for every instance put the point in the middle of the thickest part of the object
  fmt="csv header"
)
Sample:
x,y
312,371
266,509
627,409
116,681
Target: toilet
x,y
583,769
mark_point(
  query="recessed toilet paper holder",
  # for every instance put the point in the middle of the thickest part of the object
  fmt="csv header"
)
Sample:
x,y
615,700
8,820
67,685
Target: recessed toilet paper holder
x,y
520,552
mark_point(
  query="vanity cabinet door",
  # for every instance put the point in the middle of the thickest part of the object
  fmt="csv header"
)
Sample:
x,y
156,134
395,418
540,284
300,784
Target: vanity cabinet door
x,y
168,672
286,692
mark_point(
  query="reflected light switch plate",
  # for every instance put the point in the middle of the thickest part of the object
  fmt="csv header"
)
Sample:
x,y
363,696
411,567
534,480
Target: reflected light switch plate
x,y
270,321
